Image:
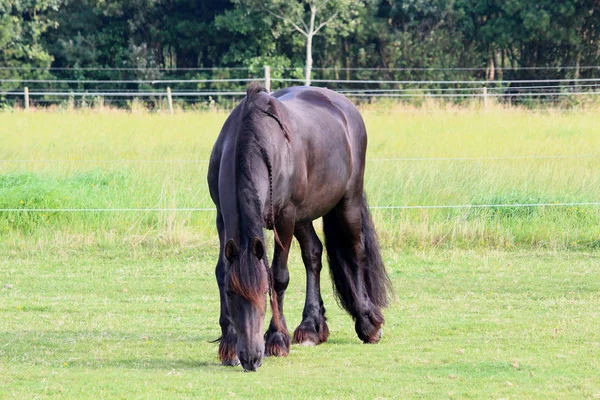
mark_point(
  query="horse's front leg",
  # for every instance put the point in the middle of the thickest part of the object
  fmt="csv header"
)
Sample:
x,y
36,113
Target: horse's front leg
x,y
228,339
313,329
277,338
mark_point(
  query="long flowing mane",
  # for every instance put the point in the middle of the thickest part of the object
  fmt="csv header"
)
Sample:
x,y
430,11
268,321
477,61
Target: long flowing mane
x,y
249,279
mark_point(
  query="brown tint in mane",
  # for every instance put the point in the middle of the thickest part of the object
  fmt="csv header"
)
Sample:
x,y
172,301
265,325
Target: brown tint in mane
x,y
248,277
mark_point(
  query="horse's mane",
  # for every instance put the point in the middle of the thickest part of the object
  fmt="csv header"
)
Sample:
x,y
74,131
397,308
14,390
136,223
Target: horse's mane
x,y
249,279
253,90
252,148
252,280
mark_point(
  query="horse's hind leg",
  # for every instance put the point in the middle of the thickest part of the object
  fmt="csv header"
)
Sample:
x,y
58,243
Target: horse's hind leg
x,y
313,329
277,338
228,339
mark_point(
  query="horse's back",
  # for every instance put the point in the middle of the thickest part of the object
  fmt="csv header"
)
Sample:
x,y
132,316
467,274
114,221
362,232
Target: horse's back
x,y
312,98
314,104
333,144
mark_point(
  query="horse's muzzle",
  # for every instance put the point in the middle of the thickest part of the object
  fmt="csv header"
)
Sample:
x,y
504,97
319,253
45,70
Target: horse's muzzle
x,y
250,360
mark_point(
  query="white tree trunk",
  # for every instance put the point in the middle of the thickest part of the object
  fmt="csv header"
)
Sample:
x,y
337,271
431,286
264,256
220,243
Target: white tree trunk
x,y
309,38
308,59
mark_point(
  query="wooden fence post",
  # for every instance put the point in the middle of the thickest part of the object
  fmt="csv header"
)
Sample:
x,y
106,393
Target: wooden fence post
x,y
485,98
26,92
268,78
170,100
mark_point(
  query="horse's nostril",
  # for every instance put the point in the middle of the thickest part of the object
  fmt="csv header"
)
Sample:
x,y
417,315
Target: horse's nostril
x,y
250,360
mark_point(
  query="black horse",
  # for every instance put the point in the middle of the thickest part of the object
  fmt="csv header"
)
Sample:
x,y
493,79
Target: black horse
x,y
280,162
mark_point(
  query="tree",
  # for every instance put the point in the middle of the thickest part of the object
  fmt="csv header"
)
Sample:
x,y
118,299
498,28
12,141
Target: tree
x,y
424,37
309,18
391,39
22,23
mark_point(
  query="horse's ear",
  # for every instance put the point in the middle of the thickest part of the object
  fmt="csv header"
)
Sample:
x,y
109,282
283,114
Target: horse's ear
x,y
258,248
231,250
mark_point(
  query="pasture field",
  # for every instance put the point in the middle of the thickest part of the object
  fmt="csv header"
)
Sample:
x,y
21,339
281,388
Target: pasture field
x,y
496,324
121,160
497,302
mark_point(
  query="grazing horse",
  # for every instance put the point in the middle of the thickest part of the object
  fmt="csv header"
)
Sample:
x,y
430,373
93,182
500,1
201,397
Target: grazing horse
x,y
281,161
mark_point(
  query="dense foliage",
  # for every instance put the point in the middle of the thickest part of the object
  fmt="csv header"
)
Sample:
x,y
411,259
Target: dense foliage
x,y
495,35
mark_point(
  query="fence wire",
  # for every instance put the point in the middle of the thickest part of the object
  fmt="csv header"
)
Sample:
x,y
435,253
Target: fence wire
x,y
201,161
213,87
392,207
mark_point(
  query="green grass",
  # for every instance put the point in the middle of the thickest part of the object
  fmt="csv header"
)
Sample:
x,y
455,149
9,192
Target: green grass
x,y
463,324
489,303
88,143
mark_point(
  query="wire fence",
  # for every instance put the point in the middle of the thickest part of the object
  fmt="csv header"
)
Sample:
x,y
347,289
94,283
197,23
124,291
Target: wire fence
x,y
392,207
203,161
160,88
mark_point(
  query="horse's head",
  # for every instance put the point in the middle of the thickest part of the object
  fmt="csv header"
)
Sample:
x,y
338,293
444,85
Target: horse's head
x,y
246,287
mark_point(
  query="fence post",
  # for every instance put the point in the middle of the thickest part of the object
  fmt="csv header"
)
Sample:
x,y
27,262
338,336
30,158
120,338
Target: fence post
x,y
170,100
26,92
268,78
485,97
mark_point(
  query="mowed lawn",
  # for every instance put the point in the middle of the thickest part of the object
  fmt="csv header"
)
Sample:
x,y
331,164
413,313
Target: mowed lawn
x,y
489,303
462,324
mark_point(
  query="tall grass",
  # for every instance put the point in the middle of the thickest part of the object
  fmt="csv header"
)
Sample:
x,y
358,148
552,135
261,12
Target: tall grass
x,y
115,159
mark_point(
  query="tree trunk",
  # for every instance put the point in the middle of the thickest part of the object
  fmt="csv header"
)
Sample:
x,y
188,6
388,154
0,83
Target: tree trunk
x,y
308,59
577,65
491,67
577,73
309,38
502,65
347,50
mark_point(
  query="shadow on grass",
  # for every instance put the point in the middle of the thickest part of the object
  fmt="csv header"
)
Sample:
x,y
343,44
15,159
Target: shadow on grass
x,y
111,336
176,364
343,340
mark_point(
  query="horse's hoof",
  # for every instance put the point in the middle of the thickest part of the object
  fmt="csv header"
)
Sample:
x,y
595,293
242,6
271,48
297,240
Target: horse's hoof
x,y
368,327
277,344
308,336
227,353
234,362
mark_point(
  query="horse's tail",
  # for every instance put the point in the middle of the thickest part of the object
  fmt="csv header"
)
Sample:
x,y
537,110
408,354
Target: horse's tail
x,y
343,262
